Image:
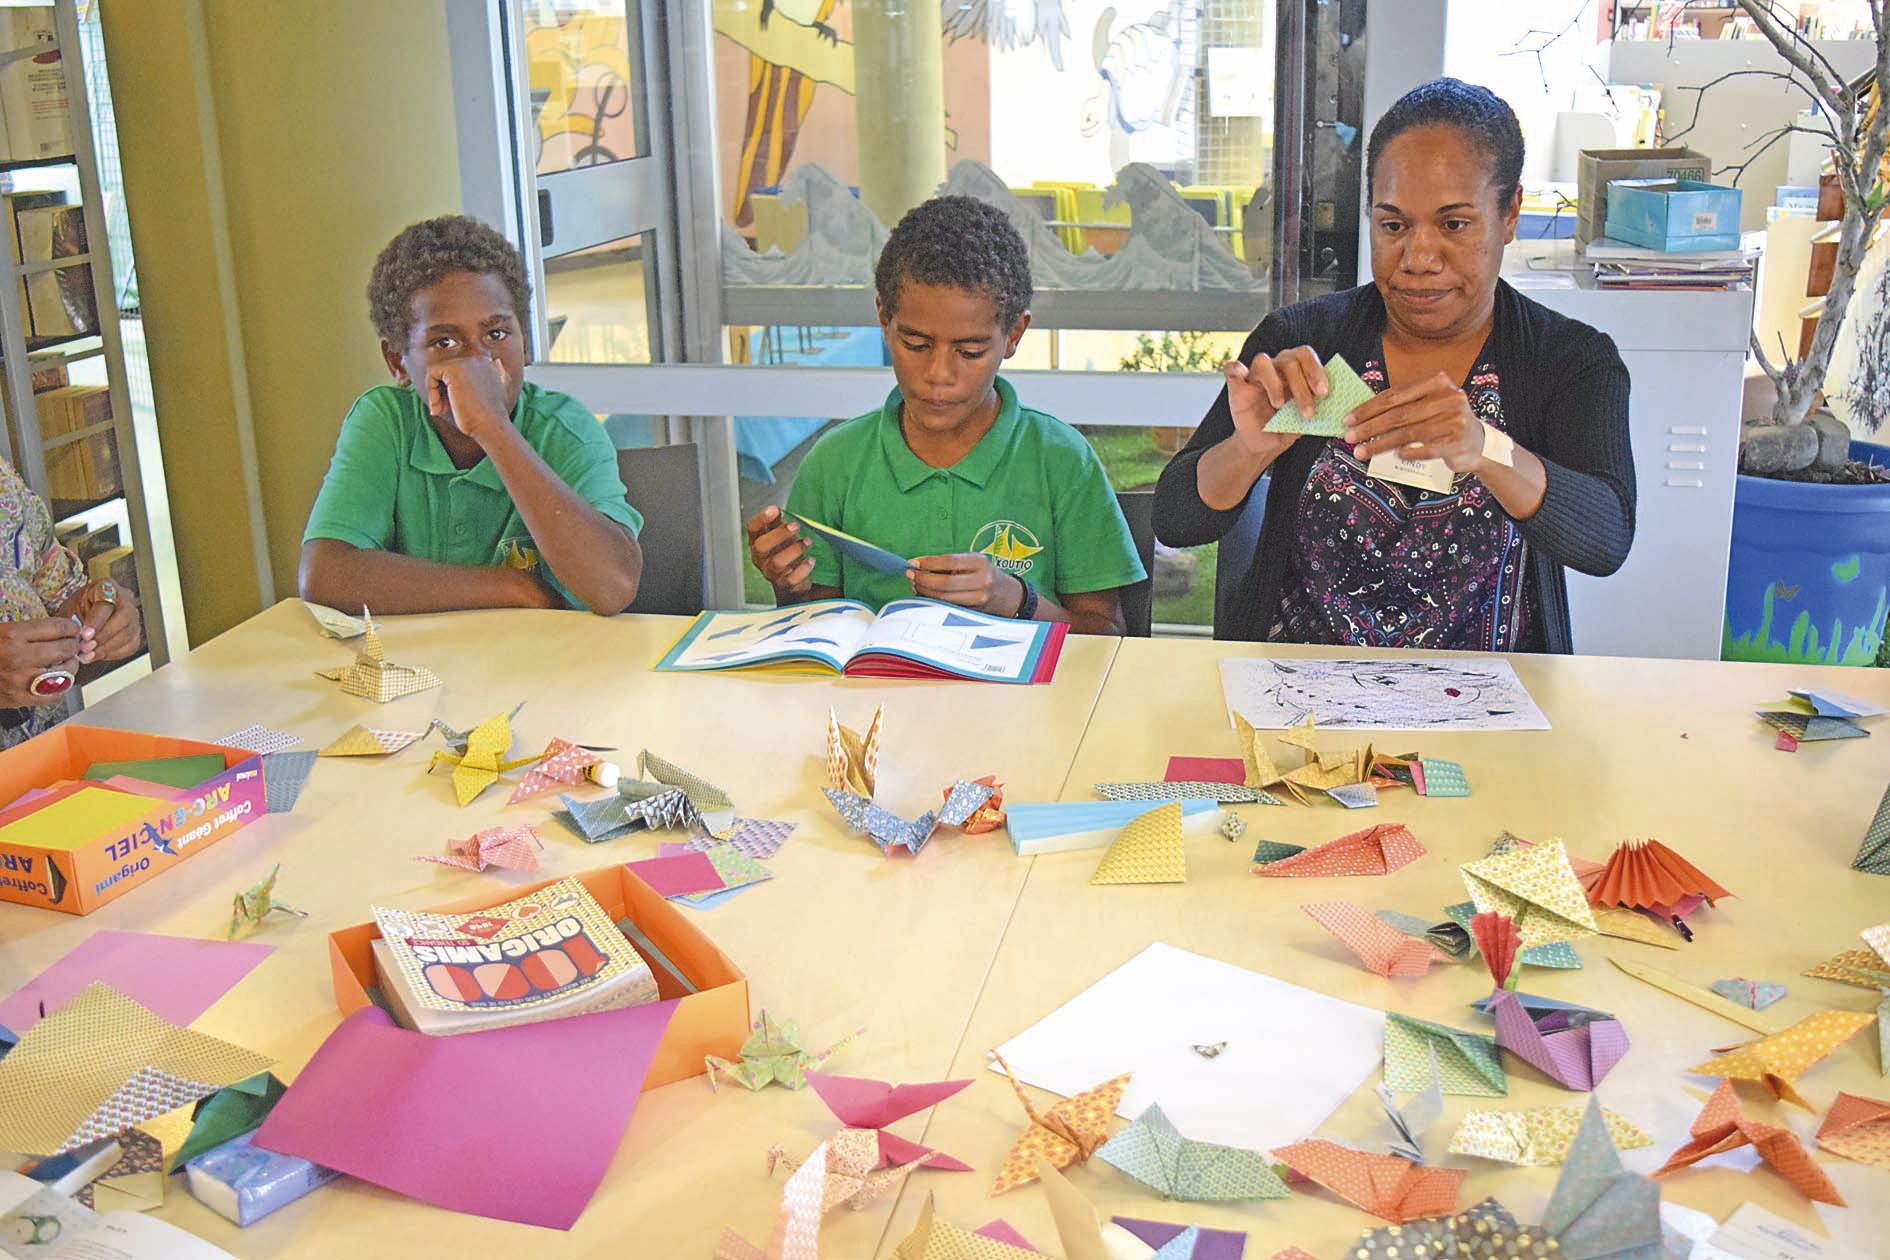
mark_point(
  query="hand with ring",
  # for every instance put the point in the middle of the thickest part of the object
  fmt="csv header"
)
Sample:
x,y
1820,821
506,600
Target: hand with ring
x,y
38,660
110,628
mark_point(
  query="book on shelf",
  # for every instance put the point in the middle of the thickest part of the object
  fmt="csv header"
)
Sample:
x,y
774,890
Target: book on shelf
x,y
34,105
60,303
67,408
544,956
83,472
118,564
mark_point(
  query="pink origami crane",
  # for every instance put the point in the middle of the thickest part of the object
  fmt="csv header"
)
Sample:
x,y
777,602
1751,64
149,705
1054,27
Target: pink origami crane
x,y
507,848
1572,1045
563,763
1381,947
796,1234
860,1103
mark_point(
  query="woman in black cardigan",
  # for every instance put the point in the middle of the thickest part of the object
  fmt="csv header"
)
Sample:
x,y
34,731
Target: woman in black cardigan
x,y
1525,409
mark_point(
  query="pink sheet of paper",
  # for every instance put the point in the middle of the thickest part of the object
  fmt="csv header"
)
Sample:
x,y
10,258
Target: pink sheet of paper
x,y
1003,1231
674,876
1206,770
143,787
178,977
869,1104
517,1124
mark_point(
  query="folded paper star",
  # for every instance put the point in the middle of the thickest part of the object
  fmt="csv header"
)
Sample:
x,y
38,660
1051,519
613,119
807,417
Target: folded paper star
x,y
561,762
1387,1186
1647,875
1535,886
484,759
1449,937
773,1054
796,1234
1722,1126
1414,1118
1873,853
1067,1133
1573,1046
1154,1152
1467,1062
1382,948
887,830
1147,851
374,677
1599,1209
1756,994
852,758
1535,1137
1779,1060
258,902
1220,793
506,848
860,1103
1376,850
368,741
1858,1129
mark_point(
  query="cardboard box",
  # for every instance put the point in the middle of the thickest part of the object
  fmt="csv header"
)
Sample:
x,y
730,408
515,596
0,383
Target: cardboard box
x,y
1601,167
1676,215
80,875
713,1020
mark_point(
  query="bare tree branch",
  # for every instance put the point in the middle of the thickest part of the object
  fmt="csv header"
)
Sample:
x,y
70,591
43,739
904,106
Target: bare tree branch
x,y
1763,143
1699,98
1776,375
1553,37
1830,89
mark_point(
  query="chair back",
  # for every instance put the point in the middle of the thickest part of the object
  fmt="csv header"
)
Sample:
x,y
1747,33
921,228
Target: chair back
x,y
664,483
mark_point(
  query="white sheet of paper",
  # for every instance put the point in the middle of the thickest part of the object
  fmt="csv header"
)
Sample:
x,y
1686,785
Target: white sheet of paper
x,y
1425,474
1752,1233
1403,694
1292,1055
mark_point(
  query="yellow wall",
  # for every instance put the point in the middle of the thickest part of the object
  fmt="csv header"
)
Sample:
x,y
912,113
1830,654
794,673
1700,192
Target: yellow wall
x,y
333,127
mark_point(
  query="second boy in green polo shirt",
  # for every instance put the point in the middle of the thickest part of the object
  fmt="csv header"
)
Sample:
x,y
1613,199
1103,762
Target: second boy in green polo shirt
x,y
461,485
1002,508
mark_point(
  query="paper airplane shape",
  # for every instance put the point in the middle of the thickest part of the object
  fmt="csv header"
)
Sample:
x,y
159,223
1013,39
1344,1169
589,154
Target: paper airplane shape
x,y
860,1103
1535,886
774,1054
1535,1137
368,741
852,758
1147,851
1390,1188
562,762
1779,1060
1154,1152
1068,1133
1376,850
374,677
484,759
1858,1129
1382,948
1722,1126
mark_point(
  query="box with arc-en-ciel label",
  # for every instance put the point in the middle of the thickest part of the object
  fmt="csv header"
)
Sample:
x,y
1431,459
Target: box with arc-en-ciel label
x,y
71,844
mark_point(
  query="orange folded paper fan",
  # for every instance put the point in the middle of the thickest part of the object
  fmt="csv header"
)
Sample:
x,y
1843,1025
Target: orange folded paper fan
x,y
1647,875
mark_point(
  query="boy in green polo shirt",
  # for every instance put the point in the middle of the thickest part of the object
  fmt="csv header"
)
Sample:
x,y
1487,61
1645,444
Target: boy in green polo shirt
x,y
461,485
1003,509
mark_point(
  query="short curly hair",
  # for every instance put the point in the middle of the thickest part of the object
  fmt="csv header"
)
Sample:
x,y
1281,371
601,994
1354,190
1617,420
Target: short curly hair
x,y
424,252
1485,119
959,241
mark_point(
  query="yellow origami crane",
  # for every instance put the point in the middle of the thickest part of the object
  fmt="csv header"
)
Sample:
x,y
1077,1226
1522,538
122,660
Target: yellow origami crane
x,y
1067,1133
1534,885
1779,1060
1318,773
484,760
853,759
374,677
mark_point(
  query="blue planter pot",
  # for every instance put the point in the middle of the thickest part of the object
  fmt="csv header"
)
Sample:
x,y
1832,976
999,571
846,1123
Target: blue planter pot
x,y
1809,579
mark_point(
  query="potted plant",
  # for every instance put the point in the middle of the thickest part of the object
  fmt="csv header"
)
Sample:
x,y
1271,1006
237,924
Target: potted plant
x,y
1809,578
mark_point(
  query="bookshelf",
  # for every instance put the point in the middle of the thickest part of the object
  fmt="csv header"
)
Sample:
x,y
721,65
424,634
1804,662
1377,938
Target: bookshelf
x,y
68,420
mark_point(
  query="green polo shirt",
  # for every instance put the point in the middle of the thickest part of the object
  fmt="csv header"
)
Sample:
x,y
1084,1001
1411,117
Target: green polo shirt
x,y
1031,495
392,487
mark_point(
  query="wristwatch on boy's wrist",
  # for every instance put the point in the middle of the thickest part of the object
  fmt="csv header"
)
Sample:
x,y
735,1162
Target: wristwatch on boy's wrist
x,y
1027,605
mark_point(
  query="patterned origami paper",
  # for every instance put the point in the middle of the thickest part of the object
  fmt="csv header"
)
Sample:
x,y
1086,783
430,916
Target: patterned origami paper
x,y
1450,938
965,799
1184,1242
737,869
1599,1209
1705,999
1535,886
855,1175
1147,851
1274,851
1873,852
669,810
759,838
1722,1126
1835,704
1560,956
285,774
1376,850
860,1103
1355,795
1443,778
99,1065
597,821
1220,793
796,1233
1858,1129
935,1239
374,677
989,815
773,1054
1647,875
852,758
1414,1118
1754,994
1808,727
1466,1062
1065,1134
1085,1236
369,741
707,797
260,739
1382,948
887,830
1869,969
484,759
1539,1136
334,623
135,1183
1636,925
1486,1230
561,762
1345,393
1154,1152
1573,1046
505,848
1779,1060
1388,1187
257,902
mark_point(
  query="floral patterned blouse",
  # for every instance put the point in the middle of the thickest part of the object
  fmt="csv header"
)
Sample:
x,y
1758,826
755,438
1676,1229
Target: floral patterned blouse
x,y
1384,565
37,574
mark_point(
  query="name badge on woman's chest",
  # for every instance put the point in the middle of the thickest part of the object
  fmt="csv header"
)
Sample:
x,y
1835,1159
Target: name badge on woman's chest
x,y
1425,474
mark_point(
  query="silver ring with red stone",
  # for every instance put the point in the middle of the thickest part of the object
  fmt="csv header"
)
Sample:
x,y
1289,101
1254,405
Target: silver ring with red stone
x,y
51,682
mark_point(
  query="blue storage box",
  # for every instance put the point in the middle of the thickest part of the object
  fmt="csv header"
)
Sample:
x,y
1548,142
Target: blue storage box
x,y
1676,215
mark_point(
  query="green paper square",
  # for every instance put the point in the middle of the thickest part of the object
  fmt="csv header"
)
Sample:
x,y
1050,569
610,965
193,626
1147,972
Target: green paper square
x,y
1344,393
1443,778
1467,1062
